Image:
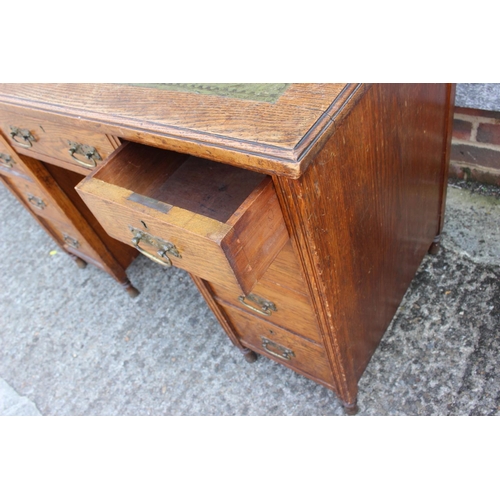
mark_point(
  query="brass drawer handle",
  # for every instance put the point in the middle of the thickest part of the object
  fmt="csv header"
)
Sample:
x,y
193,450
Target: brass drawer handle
x,y
89,152
27,137
36,202
69,240
7,160
166,262
277,350
266,307
164,247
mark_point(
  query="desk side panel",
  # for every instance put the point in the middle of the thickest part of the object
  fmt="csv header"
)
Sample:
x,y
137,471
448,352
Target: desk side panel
x,y
365,213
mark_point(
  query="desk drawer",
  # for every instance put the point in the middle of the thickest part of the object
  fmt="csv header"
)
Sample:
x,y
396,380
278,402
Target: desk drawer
x,y
10,163
280,345
73,241
280,297
218,222
288,309
66,146
40,202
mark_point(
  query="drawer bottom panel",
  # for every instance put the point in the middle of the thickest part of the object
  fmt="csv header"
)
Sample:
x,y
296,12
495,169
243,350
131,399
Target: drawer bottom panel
x,y
280,345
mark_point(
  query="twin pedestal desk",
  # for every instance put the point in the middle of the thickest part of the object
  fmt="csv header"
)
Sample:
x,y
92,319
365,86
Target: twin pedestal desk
x,y
301,211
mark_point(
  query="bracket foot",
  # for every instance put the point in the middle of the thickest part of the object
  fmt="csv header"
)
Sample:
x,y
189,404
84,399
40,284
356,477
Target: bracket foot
x,y
435,245
250,356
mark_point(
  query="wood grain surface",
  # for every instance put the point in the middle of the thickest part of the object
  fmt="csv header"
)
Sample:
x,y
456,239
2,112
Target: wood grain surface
x,y
60,216
52,140
282,284
364,215
15,166
279,137
308,358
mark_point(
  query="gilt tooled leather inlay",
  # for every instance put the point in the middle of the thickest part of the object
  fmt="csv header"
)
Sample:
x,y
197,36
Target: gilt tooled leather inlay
x,y
265,92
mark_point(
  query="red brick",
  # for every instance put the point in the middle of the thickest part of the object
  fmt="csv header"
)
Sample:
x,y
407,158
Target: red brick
x,y
475,155
488,132
461,129
477,112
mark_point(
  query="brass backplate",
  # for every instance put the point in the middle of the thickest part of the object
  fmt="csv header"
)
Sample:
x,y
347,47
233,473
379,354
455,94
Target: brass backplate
x,y
7,160
277,350
162,245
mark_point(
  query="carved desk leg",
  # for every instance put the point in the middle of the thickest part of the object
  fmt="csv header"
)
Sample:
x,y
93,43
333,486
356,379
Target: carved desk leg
x,y
79,262
351,409
129,288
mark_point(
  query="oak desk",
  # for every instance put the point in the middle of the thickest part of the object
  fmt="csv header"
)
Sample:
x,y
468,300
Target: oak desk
x,y
301,211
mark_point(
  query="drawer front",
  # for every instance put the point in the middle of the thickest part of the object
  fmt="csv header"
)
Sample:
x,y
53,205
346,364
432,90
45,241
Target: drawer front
x,y
72,241
285,271
40,202
173,209
279,297
65,146
280,345
275,304
10,163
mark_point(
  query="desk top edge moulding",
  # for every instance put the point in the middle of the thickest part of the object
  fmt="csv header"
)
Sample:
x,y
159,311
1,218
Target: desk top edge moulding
x,y
279,137
301,211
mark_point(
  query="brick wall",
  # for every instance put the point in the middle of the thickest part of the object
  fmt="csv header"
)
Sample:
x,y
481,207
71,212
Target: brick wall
x,y
475,146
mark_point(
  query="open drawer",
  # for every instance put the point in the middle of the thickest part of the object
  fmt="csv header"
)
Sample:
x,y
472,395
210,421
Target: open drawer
x,y
221,223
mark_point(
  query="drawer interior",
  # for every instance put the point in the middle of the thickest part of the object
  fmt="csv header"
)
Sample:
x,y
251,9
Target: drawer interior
x,y
204,187
221,223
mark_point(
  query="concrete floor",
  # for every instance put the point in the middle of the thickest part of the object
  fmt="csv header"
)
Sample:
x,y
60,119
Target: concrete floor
x,y
73,343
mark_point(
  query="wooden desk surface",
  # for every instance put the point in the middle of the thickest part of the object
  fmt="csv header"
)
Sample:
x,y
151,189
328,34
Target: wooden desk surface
x,y
279,137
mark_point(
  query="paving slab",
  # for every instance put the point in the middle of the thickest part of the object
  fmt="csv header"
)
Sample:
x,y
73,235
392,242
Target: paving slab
x,y
478,95
13,404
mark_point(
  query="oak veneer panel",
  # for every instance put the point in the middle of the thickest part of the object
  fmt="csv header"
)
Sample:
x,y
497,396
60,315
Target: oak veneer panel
x,y
365,213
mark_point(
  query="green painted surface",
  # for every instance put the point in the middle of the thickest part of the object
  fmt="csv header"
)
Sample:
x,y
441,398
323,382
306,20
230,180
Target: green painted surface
x,y
265,92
